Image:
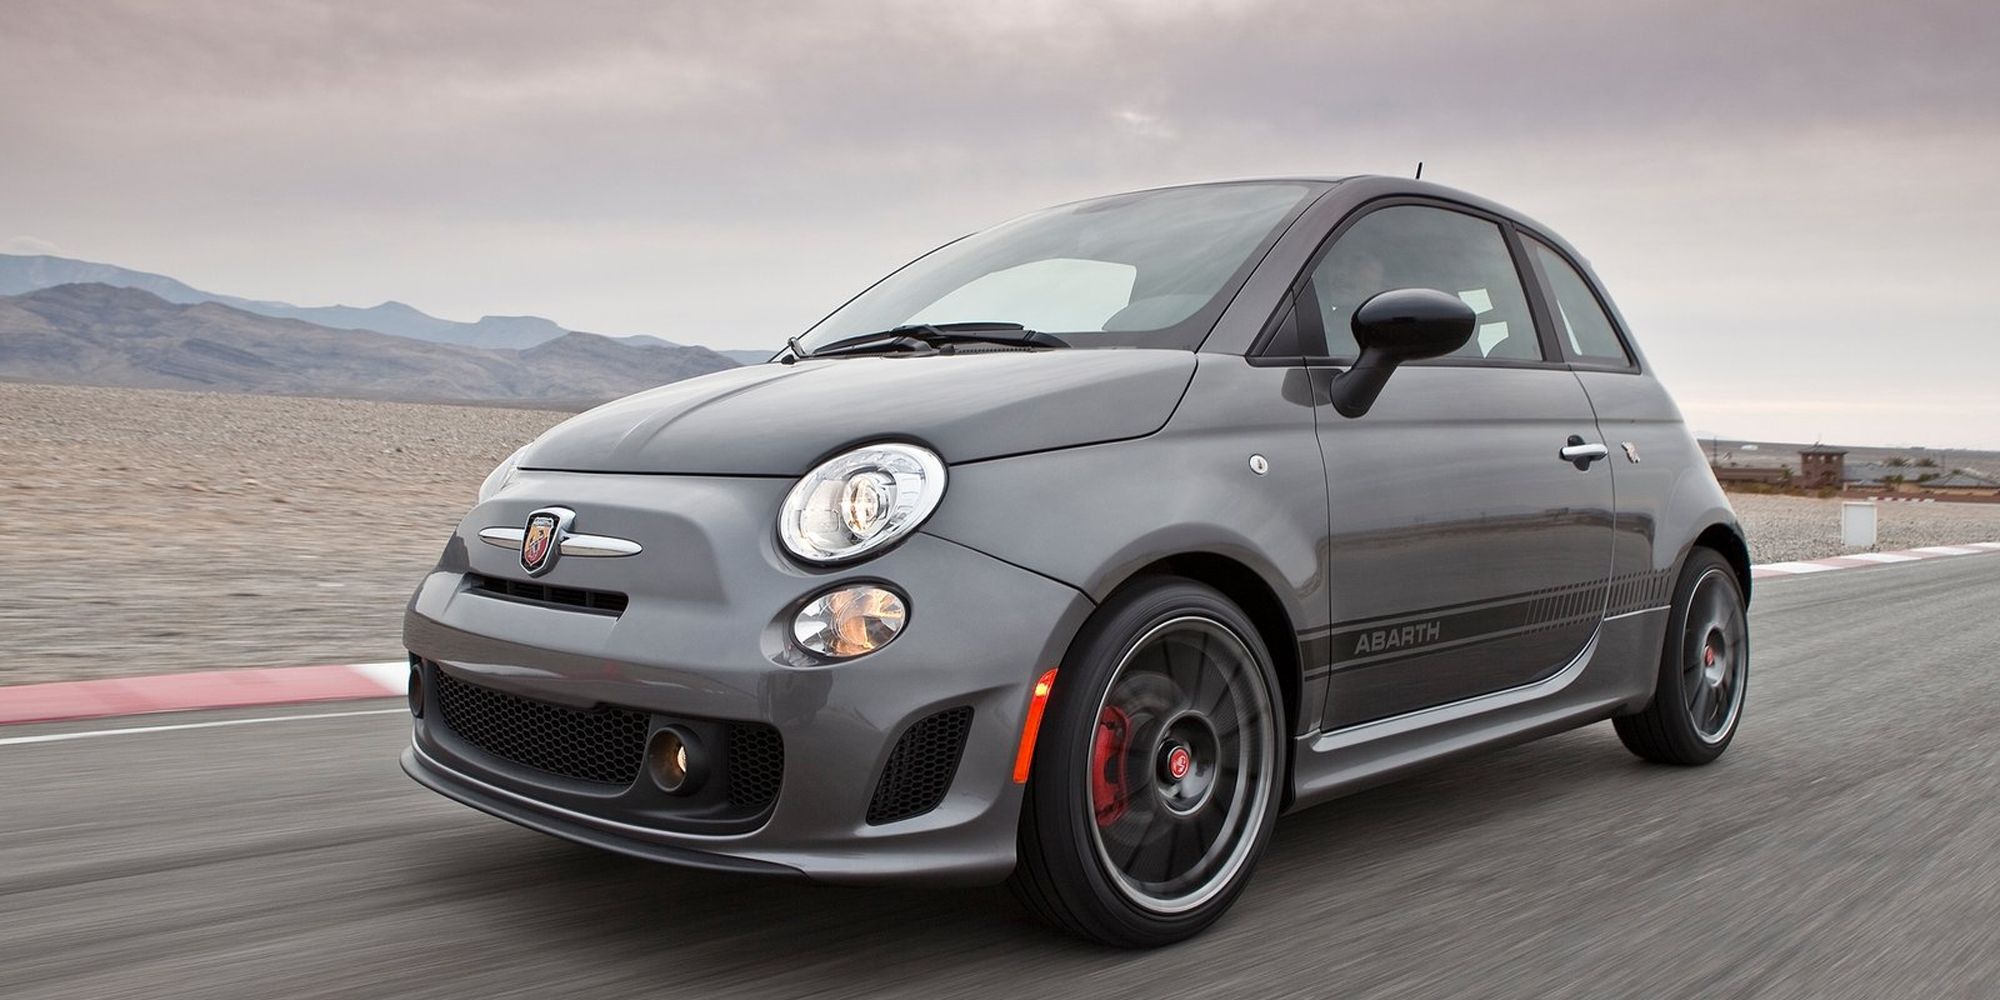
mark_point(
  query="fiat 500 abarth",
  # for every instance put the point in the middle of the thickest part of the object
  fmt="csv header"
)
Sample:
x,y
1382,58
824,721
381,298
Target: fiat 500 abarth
x,y
1077,550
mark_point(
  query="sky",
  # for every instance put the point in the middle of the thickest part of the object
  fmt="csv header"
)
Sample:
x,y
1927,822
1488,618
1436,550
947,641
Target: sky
x,y
1795,204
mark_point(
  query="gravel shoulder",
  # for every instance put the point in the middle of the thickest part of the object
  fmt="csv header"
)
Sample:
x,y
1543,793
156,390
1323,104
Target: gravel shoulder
x,y
1783,528
153,531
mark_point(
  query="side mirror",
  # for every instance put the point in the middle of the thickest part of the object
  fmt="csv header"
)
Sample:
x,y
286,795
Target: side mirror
x,y
1402,324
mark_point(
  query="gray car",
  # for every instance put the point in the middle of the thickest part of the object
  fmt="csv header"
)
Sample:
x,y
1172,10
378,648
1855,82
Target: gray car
x,y
1077,550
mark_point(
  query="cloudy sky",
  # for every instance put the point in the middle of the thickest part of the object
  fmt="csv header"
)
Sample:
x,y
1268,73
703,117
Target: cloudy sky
x,y
1797,204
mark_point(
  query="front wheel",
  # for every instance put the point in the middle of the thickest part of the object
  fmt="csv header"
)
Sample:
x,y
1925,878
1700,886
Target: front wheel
x,y
1156,782
1704,669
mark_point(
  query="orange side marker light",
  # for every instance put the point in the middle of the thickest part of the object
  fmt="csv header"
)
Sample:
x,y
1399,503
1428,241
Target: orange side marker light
x,y
1025,759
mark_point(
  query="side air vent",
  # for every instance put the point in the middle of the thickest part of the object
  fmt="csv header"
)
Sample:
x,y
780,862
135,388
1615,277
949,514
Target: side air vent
x,y
921,767
756,765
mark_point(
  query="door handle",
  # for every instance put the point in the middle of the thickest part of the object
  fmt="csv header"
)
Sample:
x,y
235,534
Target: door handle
x,y
1580,454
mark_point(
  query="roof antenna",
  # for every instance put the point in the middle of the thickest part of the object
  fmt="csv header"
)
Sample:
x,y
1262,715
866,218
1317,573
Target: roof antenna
x,y
1420,170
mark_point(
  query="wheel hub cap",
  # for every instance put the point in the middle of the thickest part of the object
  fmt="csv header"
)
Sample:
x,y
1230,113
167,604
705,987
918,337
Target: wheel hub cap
x,y
1714,658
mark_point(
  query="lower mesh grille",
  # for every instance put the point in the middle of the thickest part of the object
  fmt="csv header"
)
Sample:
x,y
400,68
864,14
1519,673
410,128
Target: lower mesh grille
x,y
756,765
602,745
921,767
605,745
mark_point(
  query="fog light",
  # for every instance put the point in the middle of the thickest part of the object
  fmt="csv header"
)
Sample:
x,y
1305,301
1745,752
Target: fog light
x,y
675,761
416,690
849,621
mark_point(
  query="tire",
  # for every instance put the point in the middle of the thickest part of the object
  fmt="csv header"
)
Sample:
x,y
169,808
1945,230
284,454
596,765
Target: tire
x,y
1156,778
1698,699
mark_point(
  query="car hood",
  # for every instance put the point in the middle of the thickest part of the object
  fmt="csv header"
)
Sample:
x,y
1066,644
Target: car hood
x,y
777,419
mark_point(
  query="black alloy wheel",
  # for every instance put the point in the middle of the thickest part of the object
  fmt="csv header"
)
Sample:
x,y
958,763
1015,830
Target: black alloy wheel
x,y
1704,669
1157,782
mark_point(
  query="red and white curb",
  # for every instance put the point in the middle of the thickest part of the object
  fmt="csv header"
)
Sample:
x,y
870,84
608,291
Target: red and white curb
x,y
211,689
65,700
1862,560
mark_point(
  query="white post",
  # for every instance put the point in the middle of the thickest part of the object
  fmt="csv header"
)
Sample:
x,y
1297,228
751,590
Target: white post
x,y
1857,524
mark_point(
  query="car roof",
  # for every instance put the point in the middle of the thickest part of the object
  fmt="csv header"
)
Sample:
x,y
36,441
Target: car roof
x,y
1384,186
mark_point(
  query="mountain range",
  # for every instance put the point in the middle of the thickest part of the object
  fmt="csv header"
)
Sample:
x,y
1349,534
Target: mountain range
x,y
20,274
99,334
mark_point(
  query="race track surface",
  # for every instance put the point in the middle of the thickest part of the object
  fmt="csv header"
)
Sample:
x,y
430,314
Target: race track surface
x,y
1848,845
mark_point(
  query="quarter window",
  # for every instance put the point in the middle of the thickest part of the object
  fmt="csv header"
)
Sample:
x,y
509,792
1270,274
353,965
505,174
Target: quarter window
x,y
1415,246
1586,330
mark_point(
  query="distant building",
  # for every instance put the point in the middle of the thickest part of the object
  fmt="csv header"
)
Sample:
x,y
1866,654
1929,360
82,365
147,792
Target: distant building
x,y
1907,478
1873,474
1963,483
1733,475
1822,468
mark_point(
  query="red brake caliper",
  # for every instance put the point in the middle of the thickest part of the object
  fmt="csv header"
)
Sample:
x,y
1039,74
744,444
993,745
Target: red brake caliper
x,y
1107,766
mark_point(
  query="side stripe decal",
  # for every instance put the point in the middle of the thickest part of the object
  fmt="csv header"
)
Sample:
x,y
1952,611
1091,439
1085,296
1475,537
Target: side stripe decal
x,y
1363,642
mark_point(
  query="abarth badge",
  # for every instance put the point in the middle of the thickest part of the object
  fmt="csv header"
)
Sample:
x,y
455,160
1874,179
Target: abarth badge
x,y
539,544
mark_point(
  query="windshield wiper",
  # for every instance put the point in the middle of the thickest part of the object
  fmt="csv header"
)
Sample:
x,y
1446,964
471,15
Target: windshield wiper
x,y
940,337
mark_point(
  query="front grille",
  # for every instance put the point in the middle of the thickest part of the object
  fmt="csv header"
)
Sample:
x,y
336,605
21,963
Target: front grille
x,y
602,745
603,602
921,767
756,765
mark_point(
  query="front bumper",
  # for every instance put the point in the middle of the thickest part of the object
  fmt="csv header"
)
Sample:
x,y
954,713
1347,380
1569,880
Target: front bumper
x,y
702,638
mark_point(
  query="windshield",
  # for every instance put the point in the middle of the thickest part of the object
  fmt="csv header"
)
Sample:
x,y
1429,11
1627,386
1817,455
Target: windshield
x,y
1146,269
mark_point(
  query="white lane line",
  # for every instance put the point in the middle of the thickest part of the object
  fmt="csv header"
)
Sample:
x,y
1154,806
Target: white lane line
x,y
1796,567
133,730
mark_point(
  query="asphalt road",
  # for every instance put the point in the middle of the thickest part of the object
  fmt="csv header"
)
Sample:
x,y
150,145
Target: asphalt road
x,y
1848,845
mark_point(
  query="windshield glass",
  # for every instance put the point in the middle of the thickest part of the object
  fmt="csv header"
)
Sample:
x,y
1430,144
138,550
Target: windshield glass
x,y
1146,269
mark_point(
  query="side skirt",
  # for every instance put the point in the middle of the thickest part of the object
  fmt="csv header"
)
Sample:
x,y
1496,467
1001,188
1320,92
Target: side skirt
x,y
1614,673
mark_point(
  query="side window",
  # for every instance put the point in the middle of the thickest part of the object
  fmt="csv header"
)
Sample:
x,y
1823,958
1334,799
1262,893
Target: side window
x,y
1586,330
1415,246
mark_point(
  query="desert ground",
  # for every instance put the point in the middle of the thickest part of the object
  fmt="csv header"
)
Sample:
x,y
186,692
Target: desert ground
x,y
150,531
147,531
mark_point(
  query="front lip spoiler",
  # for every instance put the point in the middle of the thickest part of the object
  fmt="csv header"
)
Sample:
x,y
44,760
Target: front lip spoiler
x,y
452,786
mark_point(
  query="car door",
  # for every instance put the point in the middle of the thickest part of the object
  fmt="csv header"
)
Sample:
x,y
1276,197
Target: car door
x,y
1467,555
1651,451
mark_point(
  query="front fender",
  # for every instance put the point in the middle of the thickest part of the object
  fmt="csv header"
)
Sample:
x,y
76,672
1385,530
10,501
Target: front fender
x,y
1091,517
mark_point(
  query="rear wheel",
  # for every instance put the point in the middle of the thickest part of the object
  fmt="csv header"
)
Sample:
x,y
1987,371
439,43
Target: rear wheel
x,y
1704,669
1155,785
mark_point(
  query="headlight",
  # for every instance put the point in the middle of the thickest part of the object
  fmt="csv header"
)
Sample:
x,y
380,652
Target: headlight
x,y
861,501
502,475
